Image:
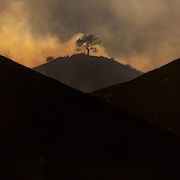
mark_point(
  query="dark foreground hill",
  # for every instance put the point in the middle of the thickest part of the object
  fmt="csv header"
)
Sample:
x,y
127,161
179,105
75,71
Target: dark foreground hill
x,y
88,73
155,96
50,131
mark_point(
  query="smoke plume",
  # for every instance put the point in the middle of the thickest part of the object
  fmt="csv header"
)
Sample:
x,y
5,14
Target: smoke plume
x,y
144,34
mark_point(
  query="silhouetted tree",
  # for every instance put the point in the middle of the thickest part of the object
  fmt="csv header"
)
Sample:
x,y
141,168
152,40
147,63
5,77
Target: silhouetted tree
x,y
88,43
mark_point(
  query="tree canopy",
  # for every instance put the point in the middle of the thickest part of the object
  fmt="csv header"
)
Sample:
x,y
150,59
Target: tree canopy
x,y
88,42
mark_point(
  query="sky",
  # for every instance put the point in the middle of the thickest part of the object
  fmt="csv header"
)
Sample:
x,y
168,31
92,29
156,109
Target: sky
x,y
141,33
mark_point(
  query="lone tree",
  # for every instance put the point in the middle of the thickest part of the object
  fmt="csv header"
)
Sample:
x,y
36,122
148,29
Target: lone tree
x,y
88,43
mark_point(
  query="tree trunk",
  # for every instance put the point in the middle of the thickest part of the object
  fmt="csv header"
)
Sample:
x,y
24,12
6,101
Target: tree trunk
x,y
88,51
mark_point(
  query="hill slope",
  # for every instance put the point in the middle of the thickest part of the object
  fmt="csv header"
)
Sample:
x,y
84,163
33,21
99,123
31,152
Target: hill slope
x,y
50,131
88,73
155,96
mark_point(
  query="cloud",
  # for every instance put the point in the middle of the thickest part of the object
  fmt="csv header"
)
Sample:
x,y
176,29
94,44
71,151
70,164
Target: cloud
x,y
142,33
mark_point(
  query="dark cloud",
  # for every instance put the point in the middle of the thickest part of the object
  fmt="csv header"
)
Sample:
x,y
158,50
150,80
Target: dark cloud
x,y
64,18
128,29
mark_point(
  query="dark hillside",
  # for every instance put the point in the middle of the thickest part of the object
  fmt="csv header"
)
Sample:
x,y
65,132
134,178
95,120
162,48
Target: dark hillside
x,y
88,73
154,96
50,131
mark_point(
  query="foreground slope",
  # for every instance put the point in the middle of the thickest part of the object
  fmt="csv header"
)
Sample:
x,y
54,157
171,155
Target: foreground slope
x,y
50,131
155,96
88,73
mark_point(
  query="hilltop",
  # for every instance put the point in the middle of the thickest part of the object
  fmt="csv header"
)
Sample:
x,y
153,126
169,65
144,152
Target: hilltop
x,y
88,73
154,96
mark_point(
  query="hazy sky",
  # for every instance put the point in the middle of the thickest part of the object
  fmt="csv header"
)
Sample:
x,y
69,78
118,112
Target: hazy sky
x,y
142,33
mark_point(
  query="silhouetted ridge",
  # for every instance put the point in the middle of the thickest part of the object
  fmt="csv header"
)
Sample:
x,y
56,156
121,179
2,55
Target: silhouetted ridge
x,y
88,73
51,131
154,96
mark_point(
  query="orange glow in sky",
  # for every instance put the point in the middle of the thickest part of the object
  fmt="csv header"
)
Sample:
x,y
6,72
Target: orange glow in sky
x,y
147,43
19,44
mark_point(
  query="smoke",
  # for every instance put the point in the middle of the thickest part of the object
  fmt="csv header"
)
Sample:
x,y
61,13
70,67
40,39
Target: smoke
x,y
144,34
